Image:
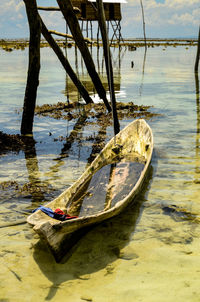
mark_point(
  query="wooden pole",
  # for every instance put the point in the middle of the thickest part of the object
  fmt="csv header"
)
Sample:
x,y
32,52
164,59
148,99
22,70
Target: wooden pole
x,y
102,24
91,30
54,32
197,103
72,21
145,40
196,66
98,36
33,68
65,64
87,28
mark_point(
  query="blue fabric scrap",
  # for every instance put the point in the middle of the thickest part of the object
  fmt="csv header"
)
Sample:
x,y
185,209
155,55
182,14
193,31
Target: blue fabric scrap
x,y
46,210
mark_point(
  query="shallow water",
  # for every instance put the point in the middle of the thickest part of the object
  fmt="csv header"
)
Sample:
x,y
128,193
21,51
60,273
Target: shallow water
x,y
150,252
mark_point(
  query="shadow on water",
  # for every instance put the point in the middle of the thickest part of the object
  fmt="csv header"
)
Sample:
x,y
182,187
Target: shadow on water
x,y
39,191
73,137
97,250
117,56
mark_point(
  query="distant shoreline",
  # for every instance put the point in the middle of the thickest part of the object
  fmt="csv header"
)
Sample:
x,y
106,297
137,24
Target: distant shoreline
x,y
125,39
11,44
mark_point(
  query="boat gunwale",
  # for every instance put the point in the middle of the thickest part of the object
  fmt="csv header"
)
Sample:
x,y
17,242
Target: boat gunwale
x,y
99,216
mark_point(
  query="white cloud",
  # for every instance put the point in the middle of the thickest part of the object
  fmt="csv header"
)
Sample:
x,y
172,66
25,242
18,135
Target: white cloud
x,y
20,6
53,20
10,7
12,10
180,4
174,15
196,14
171,12
183,19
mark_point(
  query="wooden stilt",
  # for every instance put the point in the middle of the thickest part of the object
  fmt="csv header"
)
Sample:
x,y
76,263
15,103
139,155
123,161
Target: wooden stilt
x,y
102,64
119,39
33,68
145,40
66,81
198,54
87,28
98,63
76,60
91,30
66,39
65,64
102,24
108,29
98,36
71,19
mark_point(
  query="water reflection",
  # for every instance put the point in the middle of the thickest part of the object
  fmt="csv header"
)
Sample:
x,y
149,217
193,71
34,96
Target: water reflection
x,y
143,69
33,170
70,89
75,135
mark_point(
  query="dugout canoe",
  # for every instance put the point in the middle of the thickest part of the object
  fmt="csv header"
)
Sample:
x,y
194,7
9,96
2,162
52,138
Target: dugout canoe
x,y
104,190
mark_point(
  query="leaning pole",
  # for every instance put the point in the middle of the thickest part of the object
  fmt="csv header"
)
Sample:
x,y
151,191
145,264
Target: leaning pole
x,y
196,66
109,70
33,68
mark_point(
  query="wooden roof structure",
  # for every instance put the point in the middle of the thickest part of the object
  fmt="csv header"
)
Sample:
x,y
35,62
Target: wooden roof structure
x,y
88,10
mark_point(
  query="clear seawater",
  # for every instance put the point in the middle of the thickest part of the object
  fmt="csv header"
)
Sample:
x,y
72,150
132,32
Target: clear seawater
x,y
151,251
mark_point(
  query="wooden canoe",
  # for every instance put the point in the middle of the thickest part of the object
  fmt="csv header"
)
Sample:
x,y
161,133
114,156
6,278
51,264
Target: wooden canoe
x,y
105,189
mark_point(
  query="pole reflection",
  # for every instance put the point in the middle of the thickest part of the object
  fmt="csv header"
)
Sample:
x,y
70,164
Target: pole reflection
x,y
33,170
197,169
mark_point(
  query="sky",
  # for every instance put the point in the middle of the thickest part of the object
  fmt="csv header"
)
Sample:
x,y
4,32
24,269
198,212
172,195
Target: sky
x,y
163,18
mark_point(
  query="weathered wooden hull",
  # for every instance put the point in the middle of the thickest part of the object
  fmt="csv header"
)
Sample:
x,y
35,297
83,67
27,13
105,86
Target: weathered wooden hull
x,y
136,137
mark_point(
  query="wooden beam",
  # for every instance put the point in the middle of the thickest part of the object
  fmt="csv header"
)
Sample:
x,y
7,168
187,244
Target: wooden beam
x,y
54,32
65,63
33,68
102,25
50,8
72,21
53,8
